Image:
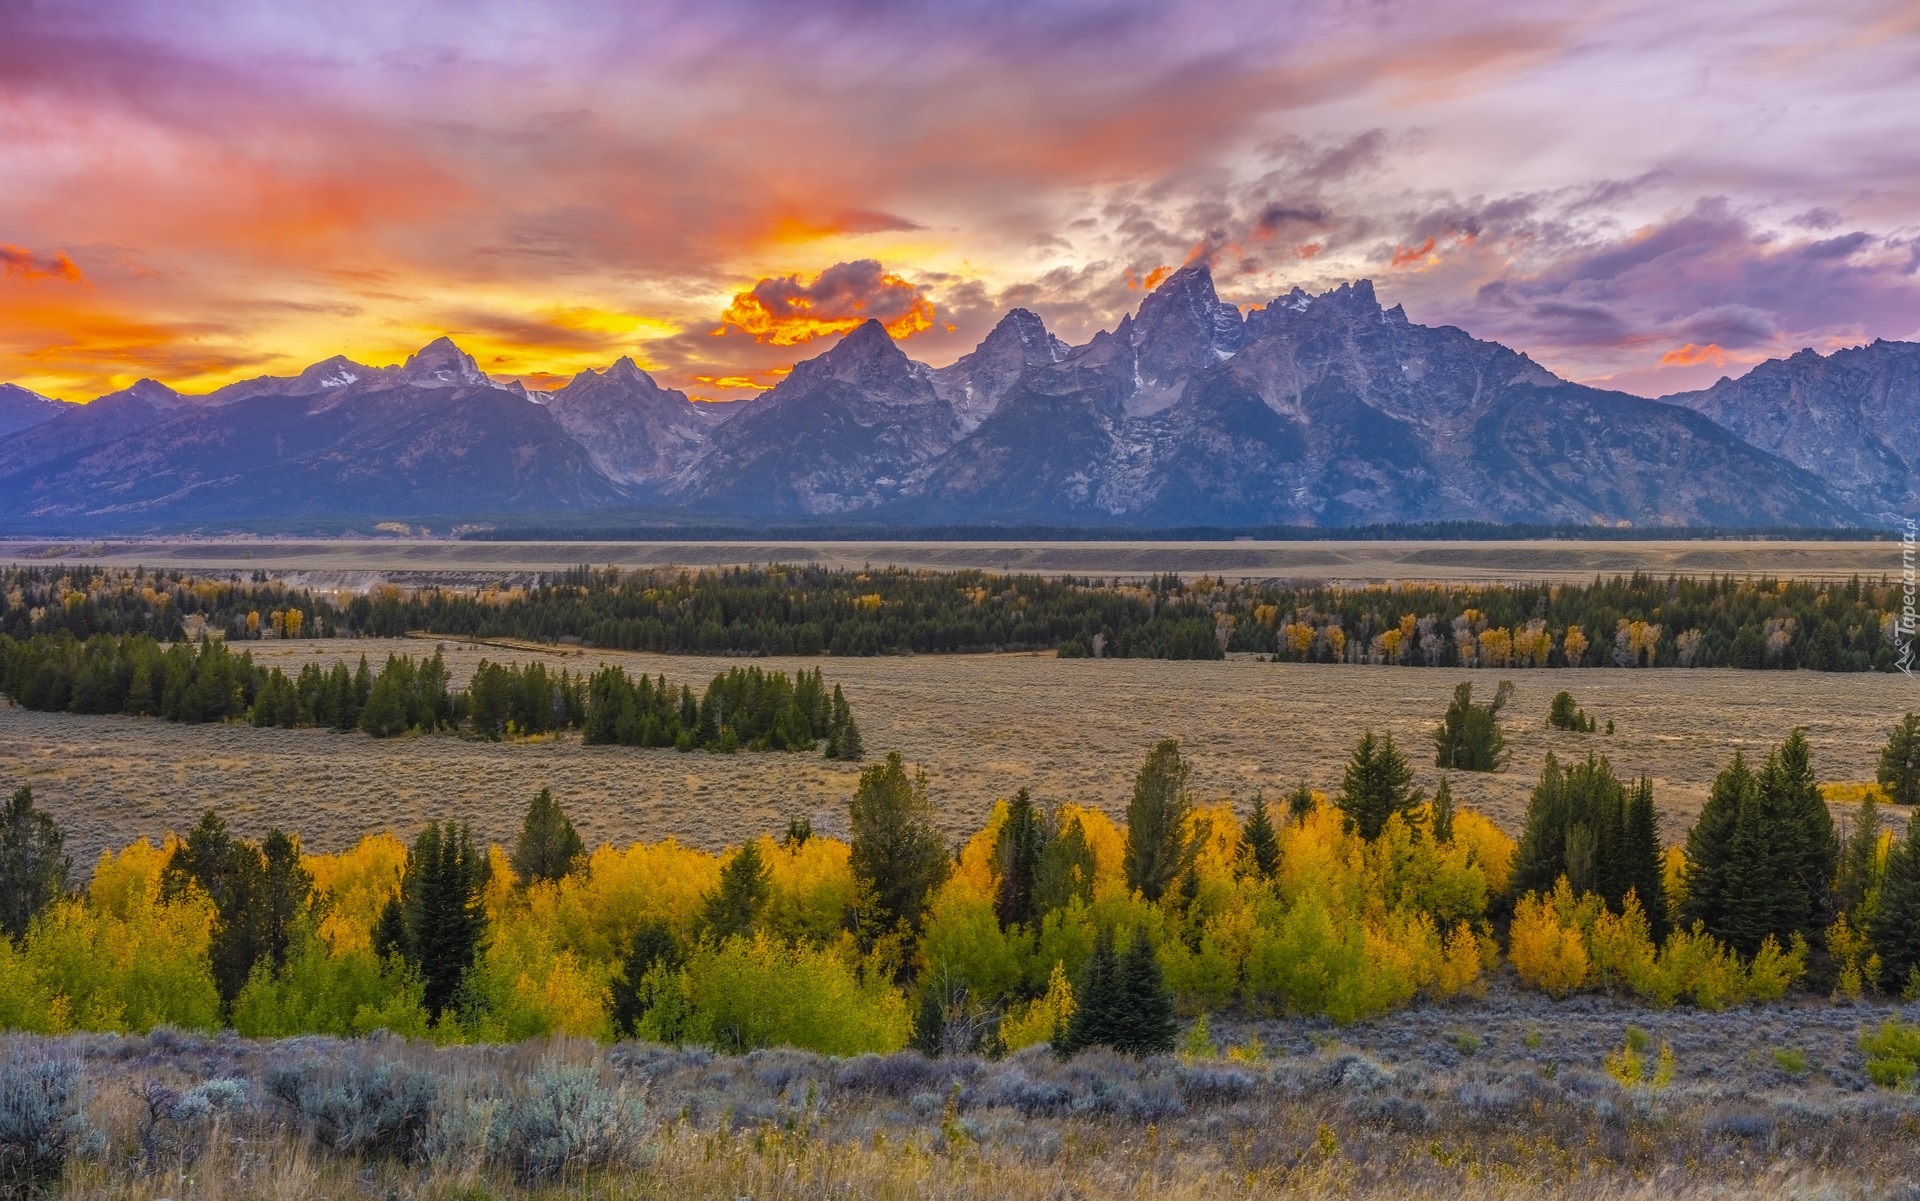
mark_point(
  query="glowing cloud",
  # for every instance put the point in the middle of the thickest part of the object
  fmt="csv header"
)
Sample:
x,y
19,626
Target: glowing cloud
x,y
1692,355
790,310
17,262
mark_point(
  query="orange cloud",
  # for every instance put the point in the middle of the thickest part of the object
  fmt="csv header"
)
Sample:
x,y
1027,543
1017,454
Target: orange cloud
x,y
1403,257
1152,281
17,262
1307,250
790,310
1691,355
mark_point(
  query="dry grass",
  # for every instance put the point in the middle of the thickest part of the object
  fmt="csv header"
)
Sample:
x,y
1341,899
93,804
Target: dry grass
x,y
981,726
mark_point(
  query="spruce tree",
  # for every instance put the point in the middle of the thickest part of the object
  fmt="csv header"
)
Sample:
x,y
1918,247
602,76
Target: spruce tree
x,y
1377,784
898,855
734,907
1813,850
1468,737
930,1024
1017,853
1710,844
229,871
286,888
1300,802
1640,871
1147,1023
33,868
548,847
1259,845
1443,812
1855,879
1158,847
1066,870
441,912
1899,771
653,944
1895,932
1100,998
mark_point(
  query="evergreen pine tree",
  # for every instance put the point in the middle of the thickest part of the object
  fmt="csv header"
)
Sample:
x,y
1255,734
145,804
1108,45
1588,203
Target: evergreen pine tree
x,y
734,907
1099,999
1895,932
33,869
1443,812
1855,879
229,872
548,847
1640,871
1377,784
799,829
898,855
1710,845
1809,848
1300,802
653,944
441,911
1259,845
1018,852
1147,1023
1468,737
286,887
930,1024
1899,771
385,712
1158,848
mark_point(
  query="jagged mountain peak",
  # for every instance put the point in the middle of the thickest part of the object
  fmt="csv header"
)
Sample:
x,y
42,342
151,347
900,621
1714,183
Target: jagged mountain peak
x,y
865,355
441,364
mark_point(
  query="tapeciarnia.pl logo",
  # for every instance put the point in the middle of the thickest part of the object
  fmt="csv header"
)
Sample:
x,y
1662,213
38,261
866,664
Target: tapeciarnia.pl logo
x,y
1903,629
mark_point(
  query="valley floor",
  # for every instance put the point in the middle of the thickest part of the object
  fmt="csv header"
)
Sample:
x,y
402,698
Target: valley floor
x,y
981,726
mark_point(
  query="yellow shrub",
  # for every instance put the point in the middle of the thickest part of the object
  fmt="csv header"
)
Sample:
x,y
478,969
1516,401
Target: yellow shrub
x,y
1037,1021
963,945
1488,846
354,887
810,888
1545,943
622,889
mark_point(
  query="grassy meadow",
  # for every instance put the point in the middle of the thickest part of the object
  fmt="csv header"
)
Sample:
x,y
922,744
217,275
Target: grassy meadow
x,y
980,725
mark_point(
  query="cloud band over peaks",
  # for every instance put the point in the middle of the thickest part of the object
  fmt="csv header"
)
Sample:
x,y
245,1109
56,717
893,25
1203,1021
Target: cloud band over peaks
x,y
792,309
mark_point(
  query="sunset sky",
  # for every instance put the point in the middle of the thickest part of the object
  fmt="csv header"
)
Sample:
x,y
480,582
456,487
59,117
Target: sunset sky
x,y
1645,195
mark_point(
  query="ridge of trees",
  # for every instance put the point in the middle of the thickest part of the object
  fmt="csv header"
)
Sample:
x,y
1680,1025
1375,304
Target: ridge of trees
x,y
1642,620
741,708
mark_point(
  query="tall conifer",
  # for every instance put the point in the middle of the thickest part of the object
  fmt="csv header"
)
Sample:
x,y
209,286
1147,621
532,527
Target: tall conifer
x,y
1158,848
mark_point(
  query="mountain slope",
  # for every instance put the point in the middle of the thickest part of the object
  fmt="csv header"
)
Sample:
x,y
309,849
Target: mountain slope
x,y
21,409
837,434
1852,418
633,430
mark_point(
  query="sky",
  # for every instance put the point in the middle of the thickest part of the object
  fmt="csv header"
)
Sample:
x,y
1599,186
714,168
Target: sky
x,y
1641,194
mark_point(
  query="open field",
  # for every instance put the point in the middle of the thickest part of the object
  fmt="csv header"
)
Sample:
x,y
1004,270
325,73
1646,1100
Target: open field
x,y
980,725
337,562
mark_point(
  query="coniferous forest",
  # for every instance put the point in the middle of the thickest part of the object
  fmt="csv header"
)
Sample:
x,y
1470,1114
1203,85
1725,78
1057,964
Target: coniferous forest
x,y
1625,621
740,709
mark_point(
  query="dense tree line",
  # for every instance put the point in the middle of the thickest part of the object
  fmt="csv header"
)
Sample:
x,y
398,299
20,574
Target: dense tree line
x,y
743,708
1049,924
1639,620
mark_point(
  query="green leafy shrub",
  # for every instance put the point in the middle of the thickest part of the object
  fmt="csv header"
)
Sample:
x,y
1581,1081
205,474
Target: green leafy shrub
x,y
1893,1053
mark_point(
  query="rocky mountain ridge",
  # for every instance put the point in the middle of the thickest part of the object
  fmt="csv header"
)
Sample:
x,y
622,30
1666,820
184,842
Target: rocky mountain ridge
x,y
1324,410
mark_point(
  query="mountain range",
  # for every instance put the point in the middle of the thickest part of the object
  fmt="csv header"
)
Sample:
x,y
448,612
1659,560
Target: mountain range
x,y
1319,410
